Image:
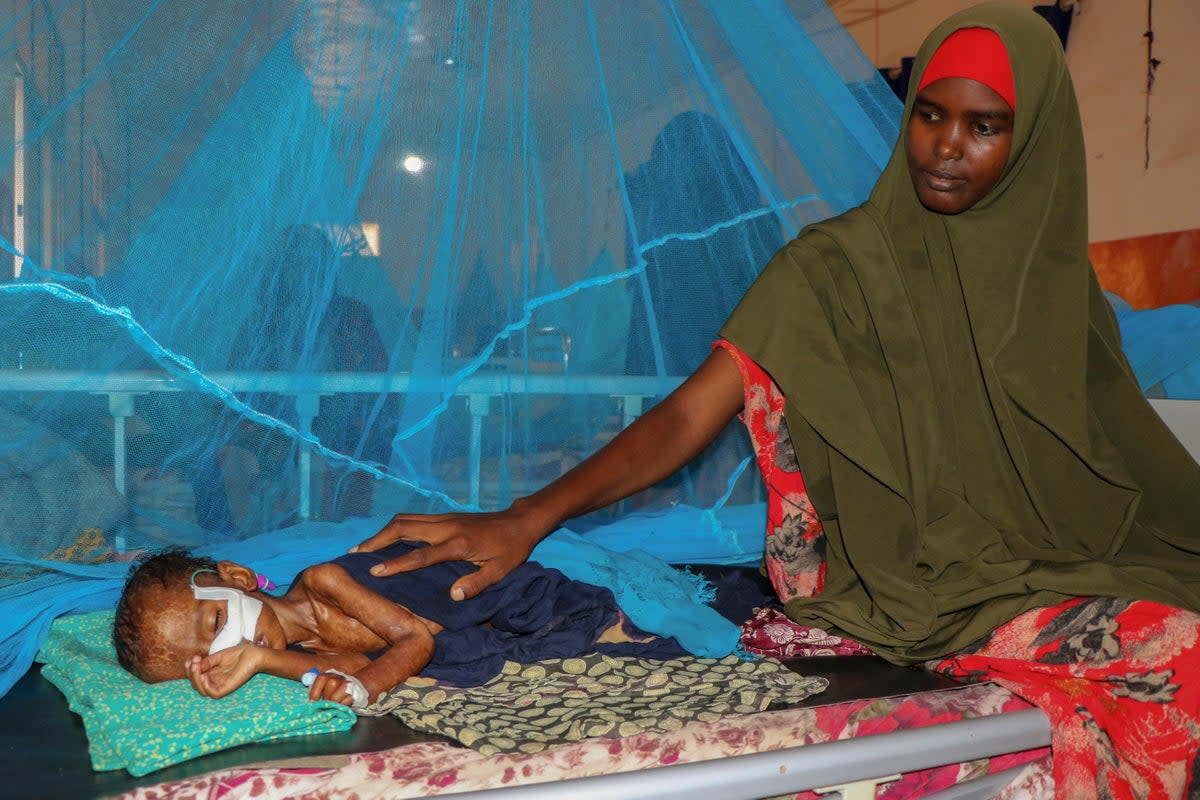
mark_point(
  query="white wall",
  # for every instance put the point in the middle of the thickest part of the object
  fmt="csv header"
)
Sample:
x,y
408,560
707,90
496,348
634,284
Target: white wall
x,y
1107,56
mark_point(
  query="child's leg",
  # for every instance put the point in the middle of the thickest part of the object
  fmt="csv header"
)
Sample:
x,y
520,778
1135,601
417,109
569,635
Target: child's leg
x,y
624,631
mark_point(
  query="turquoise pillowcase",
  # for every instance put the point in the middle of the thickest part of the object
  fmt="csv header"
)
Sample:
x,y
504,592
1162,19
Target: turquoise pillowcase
x,y
144,727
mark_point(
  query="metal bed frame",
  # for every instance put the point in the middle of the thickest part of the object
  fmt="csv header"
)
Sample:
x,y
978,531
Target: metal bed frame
x,y
851,767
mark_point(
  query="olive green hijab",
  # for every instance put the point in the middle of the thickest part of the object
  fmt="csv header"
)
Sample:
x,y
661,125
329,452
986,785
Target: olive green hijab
x,y
967,425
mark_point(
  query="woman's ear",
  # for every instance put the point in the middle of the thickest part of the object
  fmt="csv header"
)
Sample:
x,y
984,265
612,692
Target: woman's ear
x,y
237,576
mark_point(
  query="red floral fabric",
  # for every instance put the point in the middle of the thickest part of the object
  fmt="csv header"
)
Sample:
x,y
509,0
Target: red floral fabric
x,y
1108,673
769,633
1112,676
795,545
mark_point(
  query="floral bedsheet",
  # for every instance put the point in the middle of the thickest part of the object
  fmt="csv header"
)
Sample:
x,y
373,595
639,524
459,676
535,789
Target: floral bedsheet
x,y
427,769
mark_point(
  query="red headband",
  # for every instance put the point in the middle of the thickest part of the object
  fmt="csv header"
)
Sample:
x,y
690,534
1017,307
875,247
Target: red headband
x,y
977,54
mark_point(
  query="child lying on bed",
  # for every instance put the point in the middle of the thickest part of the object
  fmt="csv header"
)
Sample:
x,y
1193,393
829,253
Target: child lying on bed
x,y
355,635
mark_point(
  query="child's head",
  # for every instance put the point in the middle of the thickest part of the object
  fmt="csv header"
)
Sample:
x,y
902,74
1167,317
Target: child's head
x,y
176,605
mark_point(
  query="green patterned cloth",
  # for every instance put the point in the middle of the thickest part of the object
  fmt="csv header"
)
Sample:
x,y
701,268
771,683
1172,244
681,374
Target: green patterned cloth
x,y
142,727
528,708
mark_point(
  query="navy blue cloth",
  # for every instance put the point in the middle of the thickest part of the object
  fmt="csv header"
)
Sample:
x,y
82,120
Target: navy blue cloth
x,y
533,613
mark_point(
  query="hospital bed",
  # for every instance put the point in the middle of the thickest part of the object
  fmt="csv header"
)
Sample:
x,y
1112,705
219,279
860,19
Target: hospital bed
x,y
42,738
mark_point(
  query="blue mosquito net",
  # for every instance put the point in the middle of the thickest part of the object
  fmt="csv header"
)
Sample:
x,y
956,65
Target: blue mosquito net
x,y
275,270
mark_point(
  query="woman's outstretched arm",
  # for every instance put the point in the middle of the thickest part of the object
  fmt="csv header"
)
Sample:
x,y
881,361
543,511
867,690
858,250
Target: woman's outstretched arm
x,y
656,445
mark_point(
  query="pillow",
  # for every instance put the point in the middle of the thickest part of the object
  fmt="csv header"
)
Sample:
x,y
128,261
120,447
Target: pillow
x,y
144,727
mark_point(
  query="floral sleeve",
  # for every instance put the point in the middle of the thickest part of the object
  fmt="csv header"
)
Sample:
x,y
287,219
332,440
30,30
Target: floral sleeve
x,y
795,544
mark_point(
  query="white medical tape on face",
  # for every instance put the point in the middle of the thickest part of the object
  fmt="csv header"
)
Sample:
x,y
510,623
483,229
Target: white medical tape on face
x,y
241,615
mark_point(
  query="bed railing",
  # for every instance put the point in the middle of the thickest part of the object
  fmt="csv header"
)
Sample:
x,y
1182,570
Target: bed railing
x,y
630,393
478,391
851,767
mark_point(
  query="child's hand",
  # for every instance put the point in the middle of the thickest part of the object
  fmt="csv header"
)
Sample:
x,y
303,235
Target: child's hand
x,y
332,685
222,672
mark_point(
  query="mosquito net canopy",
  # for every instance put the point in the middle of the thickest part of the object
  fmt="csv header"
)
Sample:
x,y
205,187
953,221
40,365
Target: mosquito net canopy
x,y
276,270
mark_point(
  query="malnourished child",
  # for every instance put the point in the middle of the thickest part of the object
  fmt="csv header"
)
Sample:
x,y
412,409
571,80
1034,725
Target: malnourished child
x,y
352,635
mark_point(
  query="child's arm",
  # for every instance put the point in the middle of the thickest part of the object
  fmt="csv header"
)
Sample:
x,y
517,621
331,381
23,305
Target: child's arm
x,y
224,671
407,638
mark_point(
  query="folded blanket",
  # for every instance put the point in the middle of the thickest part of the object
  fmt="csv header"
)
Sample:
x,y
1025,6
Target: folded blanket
x,y
528,708
142,727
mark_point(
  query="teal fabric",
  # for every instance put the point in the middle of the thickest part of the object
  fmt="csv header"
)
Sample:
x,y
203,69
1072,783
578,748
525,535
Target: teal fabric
x,y
685,534
1163,347
141,727
656,596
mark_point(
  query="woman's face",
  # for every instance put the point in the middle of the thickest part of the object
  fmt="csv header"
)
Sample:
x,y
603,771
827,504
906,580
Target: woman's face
x,y
959,138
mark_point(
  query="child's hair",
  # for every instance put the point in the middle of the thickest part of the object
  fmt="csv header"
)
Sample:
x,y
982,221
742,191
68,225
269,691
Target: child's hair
x,y
165,568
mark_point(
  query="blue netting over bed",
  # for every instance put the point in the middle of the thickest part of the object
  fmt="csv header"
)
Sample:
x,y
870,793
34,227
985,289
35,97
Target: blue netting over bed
x,y
292,266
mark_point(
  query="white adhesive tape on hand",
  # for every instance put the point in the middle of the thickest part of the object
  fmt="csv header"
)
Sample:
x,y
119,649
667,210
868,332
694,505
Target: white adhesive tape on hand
x,y
354,688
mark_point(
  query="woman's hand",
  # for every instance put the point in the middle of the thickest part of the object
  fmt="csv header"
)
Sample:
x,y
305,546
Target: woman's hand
x,y
496,542
224,671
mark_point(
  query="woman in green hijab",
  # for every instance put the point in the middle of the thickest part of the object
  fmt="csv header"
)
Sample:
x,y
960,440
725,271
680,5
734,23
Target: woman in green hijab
x,y
971,436
961,467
